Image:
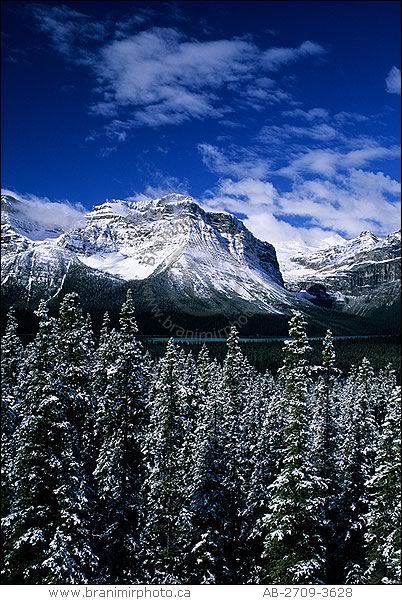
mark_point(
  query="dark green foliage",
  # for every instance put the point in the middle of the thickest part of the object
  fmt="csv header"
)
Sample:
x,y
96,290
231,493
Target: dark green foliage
x,y
174,467
383,534
293,524
47,539
264,356
120,387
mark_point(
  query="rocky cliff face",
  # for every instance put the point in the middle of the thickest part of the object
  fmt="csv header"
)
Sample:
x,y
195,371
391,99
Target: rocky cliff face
x,y
135,240
178,258
198,261
361,275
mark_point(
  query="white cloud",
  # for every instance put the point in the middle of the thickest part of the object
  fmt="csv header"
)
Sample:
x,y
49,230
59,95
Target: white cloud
x,y
274,58
350,117
393,81
69,30
327,162
46,215
253,190
218,162
314,114
272,134
167,79
257,204
352,202
160,76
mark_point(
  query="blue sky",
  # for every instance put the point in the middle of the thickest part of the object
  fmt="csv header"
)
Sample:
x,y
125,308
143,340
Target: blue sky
x,y
284,113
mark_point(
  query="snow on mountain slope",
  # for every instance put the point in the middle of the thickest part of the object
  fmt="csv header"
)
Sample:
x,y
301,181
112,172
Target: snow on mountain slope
x,y
33,221
361,275
342,256
290,251
202,254
126,239
197,262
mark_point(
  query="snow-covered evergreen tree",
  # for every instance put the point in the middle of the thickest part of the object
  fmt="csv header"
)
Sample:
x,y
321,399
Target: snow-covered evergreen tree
x,y
267,454
182,470
12,353
47,536
207,491
359,441
164,533
234,396
120,386
293,548
73,365
325,442
11,365
383,535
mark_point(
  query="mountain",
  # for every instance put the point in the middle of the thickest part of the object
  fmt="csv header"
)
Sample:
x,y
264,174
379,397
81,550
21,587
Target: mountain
x,y
204,261
359,276
187,268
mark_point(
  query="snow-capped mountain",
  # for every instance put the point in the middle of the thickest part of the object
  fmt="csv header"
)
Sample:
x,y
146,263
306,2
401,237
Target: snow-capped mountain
x,y
180,259
200,255
361,275
199,262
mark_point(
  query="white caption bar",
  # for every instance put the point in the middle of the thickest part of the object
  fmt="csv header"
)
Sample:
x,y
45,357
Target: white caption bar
x,y
201,592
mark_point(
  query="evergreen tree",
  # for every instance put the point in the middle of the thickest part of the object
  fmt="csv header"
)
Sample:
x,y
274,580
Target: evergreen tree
x,y
12,353
47,534
267,453
325,441
383,535
120,387
357,468
162,539
188,471
236,374
11,365
73,365
207,491
293,549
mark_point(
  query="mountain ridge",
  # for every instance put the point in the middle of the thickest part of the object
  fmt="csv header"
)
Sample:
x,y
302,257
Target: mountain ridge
x,y
186,260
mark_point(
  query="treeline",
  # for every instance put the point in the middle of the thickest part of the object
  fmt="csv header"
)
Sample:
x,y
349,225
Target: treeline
x,y
381,351
120,468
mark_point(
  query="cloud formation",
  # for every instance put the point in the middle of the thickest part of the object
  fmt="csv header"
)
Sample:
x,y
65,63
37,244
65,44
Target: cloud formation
x,y
166,79
237,165
355,201
69,30
43,217
393,81
159,76
327,162
274,58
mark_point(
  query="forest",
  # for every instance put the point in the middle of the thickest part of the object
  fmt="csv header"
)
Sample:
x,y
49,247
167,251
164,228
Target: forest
x,y
120,467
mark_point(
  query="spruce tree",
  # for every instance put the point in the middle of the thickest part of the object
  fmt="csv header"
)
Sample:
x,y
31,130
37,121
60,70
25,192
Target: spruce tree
x,y
12,353
162,538
207,491
293,548
267,454
236,374
120,388
383,535
47,534
11,366
73,365
357,466
325,443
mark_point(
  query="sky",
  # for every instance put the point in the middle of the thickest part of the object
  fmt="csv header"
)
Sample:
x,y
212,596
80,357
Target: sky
x,y
286,114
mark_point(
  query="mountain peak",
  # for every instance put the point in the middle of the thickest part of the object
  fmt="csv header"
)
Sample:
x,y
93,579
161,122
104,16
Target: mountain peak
x,y
199,252
176,198
368,235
